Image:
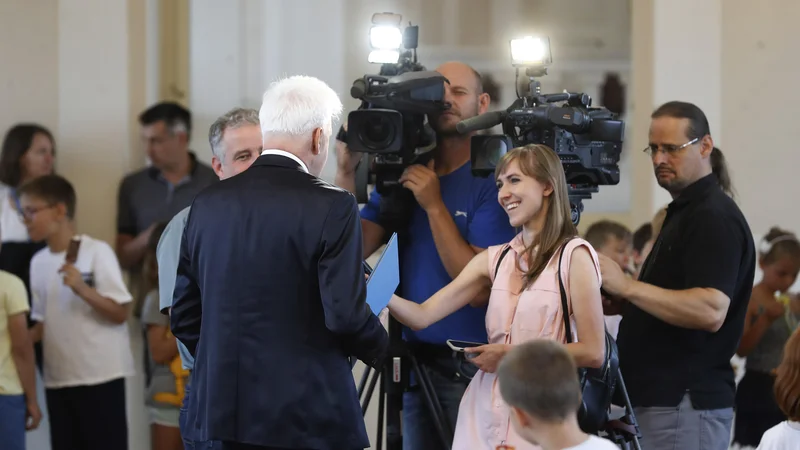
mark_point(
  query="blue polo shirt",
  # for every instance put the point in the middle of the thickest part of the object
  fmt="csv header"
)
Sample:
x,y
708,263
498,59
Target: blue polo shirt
x,y
472,202
168,254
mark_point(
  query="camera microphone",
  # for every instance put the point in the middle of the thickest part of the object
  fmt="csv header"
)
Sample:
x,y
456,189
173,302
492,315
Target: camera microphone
x,y
481,122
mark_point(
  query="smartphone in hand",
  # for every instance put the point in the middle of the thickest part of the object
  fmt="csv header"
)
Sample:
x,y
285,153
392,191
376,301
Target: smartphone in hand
x,y
459,346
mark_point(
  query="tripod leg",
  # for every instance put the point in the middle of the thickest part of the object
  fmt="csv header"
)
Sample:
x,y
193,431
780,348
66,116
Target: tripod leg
x,y
630,416
363,383
381,405
370,390
435,408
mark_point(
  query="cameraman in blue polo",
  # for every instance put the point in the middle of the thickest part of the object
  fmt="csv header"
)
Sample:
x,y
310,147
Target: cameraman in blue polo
x,y
456,216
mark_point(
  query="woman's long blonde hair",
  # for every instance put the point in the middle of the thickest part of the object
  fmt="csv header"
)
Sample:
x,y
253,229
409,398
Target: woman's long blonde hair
x,y
543,164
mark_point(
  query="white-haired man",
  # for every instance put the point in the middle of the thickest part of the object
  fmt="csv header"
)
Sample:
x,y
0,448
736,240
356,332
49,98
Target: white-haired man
x,y
276,253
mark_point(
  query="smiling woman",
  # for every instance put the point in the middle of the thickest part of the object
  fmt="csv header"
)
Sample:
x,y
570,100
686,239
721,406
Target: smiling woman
x,y
525,302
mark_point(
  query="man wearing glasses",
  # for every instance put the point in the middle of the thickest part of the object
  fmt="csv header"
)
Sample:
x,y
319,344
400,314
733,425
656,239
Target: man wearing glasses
x,y
683,318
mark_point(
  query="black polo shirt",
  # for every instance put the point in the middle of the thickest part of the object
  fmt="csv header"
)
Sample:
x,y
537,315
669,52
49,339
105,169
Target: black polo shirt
x,y
705,243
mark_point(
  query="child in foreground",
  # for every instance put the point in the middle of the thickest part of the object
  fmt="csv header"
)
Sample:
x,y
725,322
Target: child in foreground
x,y
538,379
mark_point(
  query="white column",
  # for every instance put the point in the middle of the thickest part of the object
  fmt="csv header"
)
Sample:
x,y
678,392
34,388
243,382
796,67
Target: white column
x,y
215,80
677,51
101,86
319,50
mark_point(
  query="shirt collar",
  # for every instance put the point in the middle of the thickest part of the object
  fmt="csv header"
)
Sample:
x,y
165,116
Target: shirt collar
x,y
156,173
695,191
273,151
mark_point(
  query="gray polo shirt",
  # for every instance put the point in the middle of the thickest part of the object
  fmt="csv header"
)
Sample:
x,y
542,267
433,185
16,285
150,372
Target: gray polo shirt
x,y
146,197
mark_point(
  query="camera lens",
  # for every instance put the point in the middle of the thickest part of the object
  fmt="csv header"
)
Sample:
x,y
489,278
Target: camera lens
x,y
378,132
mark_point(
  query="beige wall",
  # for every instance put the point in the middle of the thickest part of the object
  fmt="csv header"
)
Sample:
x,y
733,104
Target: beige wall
x,y
80,67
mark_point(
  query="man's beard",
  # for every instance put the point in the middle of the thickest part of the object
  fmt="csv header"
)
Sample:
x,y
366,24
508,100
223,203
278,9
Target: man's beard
x,y
452,117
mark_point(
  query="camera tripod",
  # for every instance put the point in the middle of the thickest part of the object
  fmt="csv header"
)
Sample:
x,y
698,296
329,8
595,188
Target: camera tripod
x,y
625,430
394,380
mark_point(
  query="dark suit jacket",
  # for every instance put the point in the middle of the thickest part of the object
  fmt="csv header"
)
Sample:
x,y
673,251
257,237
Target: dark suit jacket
x,y
270,298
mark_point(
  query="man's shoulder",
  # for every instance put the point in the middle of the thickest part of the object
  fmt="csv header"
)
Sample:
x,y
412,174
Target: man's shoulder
x,y
136,177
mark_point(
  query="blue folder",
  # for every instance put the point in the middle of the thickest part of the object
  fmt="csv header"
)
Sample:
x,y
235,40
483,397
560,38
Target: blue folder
x,y
385,277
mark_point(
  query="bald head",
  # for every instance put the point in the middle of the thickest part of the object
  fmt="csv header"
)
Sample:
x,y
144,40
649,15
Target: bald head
x,y
463,71
465,95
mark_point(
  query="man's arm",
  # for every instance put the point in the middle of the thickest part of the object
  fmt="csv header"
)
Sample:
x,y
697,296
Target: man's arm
x,y
696,308
454,251
343,289
130,245
186,312
711,270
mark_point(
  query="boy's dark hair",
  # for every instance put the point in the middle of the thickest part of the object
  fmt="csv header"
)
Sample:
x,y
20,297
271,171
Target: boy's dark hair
x,y
17,141
540,378
171,113
53,189
640,237
598,232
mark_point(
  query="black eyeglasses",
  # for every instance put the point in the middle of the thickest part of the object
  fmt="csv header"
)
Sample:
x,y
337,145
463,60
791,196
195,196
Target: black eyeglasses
x,y
668,149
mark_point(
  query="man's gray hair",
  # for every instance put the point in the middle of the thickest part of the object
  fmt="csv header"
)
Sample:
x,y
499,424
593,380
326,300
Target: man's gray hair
x,y
234,118
297,105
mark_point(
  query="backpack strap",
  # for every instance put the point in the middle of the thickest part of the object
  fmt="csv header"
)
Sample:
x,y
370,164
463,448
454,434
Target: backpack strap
x,y
500,259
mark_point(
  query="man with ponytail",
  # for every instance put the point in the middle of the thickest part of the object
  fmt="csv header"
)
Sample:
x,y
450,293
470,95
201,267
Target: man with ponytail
x,y
683,318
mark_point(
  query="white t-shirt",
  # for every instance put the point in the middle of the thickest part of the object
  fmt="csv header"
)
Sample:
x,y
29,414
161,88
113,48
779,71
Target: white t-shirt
x,y
783,436
80,346
595,443
12,228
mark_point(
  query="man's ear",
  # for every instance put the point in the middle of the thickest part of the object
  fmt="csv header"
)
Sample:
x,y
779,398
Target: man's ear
x,y
484,100
183,137
216,164
706,145
316,140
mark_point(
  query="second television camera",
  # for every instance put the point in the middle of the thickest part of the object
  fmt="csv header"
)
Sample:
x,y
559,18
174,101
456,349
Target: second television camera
x,y
588,140
390,125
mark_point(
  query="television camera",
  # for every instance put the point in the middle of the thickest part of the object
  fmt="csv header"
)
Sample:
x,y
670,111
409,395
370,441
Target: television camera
x,y
588,140
390,125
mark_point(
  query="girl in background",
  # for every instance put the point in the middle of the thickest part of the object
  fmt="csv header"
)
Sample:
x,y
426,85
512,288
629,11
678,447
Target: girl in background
x,y
768,324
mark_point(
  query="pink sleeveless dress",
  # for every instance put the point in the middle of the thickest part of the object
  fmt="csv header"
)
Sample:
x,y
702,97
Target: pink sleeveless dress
x,y
484,419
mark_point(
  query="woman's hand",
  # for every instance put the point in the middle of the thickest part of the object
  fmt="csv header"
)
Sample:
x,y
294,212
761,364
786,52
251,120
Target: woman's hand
x,y
487,357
